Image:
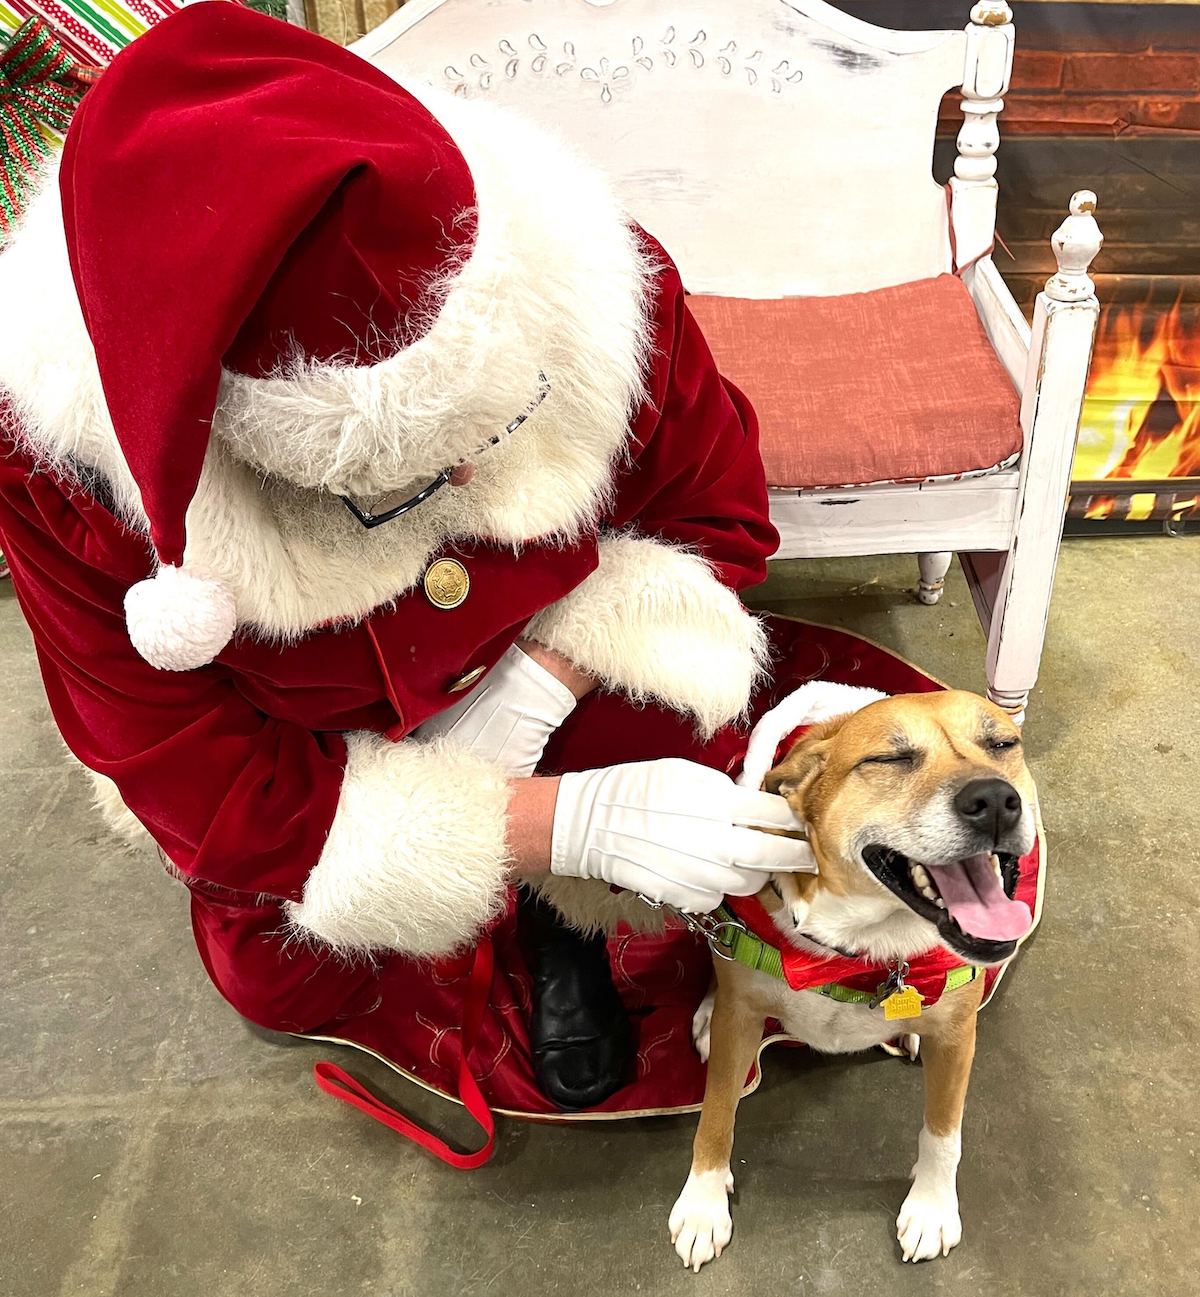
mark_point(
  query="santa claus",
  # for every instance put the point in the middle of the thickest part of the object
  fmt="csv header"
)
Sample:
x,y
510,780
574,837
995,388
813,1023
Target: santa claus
x,y
352,435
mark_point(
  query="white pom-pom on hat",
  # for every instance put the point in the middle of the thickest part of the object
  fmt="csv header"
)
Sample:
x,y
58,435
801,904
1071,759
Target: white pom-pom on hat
x,y
180,620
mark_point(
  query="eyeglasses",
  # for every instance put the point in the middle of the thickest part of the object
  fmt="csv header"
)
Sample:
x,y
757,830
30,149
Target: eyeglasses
x,y
369,519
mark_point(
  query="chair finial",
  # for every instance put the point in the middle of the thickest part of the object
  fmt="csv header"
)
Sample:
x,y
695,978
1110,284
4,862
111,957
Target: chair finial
x,y
1075,243
989,56
991,13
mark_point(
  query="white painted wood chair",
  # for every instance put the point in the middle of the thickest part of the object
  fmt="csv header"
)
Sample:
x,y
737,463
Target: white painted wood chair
x,y
780,148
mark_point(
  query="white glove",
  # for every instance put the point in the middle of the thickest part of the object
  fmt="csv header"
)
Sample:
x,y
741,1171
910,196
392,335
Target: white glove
x,y
673,830
509,716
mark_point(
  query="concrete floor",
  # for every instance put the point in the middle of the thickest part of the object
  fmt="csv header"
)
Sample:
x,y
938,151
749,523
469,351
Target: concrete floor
x,y
151,1148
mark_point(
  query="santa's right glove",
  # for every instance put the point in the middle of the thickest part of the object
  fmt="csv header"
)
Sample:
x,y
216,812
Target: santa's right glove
x,y
674,831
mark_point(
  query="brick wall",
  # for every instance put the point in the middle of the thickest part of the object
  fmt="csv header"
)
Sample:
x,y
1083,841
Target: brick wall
x,y
1087,93
1082,67
1104,96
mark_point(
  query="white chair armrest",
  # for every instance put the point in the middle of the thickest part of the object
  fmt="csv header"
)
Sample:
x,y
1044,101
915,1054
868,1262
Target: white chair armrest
x,y
1002,320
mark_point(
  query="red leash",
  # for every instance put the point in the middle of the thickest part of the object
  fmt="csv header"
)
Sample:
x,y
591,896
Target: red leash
x,y
333,1080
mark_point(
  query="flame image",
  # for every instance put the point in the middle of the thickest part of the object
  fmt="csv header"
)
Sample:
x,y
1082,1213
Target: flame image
x,y
1141,414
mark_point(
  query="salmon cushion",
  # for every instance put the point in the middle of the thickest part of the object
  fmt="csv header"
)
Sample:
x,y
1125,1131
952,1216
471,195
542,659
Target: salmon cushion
x,y
896,385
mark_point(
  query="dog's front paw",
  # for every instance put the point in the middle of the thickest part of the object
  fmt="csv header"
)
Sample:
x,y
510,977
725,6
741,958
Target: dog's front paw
x,y
700,1222
929,1224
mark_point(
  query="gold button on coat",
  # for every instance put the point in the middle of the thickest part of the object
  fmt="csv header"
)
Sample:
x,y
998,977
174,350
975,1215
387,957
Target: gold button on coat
x,y
466,680
446,583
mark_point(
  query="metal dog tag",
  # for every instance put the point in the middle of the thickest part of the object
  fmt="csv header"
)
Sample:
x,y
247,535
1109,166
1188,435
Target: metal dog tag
x,y
902,1004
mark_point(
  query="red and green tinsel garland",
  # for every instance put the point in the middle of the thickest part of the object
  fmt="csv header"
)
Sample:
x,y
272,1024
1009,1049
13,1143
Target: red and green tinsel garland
x,y
50,52
40,86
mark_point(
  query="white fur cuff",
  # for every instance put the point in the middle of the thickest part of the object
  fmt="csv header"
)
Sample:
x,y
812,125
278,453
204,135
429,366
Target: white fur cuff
x,y
416,860
654,622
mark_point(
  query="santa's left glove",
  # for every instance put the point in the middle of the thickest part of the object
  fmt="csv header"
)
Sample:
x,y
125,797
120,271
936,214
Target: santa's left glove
x,y
509,716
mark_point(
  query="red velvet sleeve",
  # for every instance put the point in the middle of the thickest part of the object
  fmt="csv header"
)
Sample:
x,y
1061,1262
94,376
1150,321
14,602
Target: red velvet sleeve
x,y
696,477
231,795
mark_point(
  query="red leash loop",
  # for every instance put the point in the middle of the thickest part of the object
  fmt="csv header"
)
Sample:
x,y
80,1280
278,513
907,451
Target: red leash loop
x,y
334,1081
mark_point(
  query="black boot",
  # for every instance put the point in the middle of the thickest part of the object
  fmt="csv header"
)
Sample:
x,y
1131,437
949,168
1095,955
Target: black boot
x,y
578,1031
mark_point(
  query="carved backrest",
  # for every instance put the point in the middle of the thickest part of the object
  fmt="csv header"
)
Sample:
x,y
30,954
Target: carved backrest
x,y
775,146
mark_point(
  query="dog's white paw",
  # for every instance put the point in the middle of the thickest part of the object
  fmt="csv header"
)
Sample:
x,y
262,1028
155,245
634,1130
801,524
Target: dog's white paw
x,y
928,1225
700,1222
702,1024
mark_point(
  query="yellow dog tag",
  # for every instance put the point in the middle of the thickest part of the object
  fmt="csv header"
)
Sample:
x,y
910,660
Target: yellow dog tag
x,y
902,1004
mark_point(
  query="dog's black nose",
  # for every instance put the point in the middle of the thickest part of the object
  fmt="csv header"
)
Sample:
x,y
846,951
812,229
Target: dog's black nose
x,y
991,805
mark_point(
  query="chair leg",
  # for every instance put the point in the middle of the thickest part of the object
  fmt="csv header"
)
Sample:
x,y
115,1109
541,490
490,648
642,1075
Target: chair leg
x,y
1013,703
933,575
1018,629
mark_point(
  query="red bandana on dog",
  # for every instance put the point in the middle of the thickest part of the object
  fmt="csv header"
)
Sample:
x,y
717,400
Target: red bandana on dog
x,y
805,970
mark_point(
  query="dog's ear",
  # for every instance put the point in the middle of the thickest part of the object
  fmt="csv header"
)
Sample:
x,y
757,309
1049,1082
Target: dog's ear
x,y
795,775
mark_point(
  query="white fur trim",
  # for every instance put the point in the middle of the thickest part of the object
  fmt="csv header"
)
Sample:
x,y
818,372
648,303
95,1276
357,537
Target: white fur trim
x,y
47,365
592,906
416,859
816,701
654,622
572,287
179,620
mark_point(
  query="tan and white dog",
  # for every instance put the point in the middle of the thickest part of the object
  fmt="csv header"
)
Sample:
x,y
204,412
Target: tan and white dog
x,y
918,809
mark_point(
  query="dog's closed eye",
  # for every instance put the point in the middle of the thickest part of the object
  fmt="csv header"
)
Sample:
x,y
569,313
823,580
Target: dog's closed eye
x,y
905,757
994,737
1005,743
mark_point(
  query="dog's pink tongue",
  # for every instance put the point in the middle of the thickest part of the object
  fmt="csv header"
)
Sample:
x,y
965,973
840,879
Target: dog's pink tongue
x,y
976,900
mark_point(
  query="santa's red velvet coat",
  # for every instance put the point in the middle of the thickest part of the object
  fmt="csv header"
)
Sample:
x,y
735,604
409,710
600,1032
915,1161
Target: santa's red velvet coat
x,y
280,781
238,769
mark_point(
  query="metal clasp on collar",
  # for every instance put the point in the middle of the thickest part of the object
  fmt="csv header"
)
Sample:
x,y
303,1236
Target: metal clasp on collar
x,y
894,984
719,933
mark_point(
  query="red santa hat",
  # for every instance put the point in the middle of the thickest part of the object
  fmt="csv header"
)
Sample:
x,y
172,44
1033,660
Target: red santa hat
x,y
257,220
